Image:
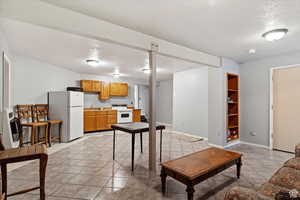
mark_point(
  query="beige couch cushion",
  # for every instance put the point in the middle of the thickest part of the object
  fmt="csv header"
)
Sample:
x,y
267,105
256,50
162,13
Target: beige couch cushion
x,y
293,163
287,177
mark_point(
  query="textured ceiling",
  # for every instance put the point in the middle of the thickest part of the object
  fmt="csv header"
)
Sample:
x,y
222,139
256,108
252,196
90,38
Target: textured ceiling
x,y
221,27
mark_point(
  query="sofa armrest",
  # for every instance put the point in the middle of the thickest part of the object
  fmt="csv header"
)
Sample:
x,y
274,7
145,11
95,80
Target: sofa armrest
x,y
297,150
241,193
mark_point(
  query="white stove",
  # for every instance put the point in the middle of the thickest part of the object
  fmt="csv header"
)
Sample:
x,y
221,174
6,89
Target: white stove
x,y
124,115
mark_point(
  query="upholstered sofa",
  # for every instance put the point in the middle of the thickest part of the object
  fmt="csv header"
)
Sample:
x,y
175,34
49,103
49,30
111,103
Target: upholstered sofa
x,y
285,179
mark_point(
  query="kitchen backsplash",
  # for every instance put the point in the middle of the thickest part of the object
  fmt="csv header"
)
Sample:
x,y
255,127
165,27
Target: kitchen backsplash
x,y
92,100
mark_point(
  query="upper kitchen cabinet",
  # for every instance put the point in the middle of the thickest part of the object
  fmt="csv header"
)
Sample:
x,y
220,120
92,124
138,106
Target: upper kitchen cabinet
x,y
91,85
119,89
104,94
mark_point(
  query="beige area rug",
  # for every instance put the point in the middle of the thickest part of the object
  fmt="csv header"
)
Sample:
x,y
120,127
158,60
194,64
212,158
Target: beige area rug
x,y
187,138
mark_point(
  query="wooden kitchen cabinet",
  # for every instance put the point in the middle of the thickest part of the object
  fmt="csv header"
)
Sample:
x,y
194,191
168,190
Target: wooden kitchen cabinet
x,y
136,115
111,118
97,120
89,121
119,89
101,120
104,94
91,85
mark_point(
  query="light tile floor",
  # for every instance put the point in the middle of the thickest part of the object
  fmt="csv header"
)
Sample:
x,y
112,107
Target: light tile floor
x,y
85,170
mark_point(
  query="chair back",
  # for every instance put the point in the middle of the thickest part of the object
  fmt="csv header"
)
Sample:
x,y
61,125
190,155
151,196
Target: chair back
x,y
40,112
25,113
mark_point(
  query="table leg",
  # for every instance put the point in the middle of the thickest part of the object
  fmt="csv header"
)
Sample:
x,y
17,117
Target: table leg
x,y
190,192
4,179
141,134
160,150
114,143
238,167
163,177
132,151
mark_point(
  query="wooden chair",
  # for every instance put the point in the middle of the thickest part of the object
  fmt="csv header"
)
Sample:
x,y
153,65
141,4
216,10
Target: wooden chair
x,y
14,155
26,116
42,111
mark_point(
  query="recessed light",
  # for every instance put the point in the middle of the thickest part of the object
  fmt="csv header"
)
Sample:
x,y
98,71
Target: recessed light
x,y
93,62
146,70
275,34
252,51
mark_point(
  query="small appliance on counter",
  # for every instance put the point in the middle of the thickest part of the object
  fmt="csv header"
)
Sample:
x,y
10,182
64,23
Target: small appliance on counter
x,y
76,89
67,106
124,115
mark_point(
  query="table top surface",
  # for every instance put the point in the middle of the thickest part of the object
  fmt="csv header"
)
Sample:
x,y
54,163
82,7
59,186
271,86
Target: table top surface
x,y
135,127
199,163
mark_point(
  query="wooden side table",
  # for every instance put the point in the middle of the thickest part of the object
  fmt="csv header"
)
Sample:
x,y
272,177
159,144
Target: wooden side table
x,y
199,166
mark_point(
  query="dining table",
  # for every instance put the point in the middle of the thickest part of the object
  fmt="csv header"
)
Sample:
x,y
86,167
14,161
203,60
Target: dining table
x,y
134,128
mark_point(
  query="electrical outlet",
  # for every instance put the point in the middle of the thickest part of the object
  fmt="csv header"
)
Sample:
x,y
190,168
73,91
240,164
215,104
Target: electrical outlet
x,y
252,133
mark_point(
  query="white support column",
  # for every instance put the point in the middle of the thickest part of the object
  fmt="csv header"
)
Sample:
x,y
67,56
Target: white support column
x,y
152,108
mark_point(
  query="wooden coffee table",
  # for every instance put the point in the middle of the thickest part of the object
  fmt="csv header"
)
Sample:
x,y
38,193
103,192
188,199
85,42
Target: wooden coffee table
x,y
199,166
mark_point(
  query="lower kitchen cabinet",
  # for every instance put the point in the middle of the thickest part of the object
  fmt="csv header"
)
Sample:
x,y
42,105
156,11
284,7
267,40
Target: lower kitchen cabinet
x,y
99,120
136,115
89,121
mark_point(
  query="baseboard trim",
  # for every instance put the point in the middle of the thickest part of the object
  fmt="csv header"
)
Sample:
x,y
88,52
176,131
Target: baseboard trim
x,y
166,124
257,145
190,135
215,145
230,144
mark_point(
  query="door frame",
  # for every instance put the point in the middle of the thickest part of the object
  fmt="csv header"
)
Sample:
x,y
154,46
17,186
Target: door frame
x,y
271,96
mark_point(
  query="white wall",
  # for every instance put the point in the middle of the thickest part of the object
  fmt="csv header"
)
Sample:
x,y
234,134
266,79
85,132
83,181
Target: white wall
x,y
255,93
217,100
165,101
32,79
190,103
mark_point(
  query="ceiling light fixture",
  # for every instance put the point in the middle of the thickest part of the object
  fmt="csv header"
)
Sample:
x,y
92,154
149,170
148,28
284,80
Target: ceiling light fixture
x,y
275,34
252,51
93,62
116,75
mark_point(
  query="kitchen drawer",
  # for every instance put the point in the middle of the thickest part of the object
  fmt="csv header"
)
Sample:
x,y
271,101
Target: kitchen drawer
x,y
111,112
90,113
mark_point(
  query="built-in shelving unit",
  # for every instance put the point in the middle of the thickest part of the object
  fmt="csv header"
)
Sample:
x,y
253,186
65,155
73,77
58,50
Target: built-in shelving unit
x,y
233,101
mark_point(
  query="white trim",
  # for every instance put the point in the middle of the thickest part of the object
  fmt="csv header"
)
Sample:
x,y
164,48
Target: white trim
x,y
257,145
229,144
271,116
215,145
166,124
190,135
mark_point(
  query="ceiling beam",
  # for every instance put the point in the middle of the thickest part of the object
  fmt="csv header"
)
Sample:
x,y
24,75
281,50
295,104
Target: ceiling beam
x,y
47,15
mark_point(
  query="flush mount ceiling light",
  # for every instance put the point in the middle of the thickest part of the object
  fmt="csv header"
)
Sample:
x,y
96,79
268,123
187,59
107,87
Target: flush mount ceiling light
x,y
116,75
275,34
92,62
252,51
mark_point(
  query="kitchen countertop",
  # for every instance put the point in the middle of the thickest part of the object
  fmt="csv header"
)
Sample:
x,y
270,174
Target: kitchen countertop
x,y
102,109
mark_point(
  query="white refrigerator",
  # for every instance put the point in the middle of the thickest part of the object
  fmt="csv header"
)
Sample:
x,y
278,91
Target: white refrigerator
x,y
67,106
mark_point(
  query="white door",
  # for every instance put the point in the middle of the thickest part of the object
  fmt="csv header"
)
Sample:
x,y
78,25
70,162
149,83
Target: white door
x,y
75,123
286,108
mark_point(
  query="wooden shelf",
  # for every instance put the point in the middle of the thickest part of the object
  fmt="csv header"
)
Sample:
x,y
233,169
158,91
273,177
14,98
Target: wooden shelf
x,y
232,90
233,123
232,115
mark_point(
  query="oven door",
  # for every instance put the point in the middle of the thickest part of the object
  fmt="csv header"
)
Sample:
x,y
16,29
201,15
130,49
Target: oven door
x,y
124,116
